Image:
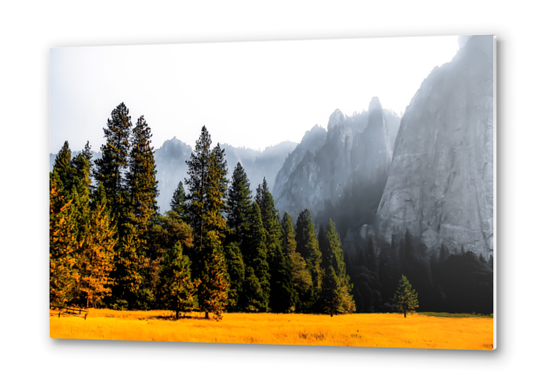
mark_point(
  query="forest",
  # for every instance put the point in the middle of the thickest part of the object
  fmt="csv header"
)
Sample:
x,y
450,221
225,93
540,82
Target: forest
x,y
220,249
217,249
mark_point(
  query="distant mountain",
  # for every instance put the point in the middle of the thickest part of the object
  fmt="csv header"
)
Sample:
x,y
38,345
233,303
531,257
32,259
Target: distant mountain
x,y
330,170
440,184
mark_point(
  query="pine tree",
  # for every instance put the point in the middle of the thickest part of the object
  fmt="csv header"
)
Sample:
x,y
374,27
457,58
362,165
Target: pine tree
x,y
213,288
331,293
63,272
253,293
97,253
332,256
113,165
236,275
239,202
301,277
255,252
198,174
178,289
142,182
282,291
308,247
406,297
177,203
64,169
207,185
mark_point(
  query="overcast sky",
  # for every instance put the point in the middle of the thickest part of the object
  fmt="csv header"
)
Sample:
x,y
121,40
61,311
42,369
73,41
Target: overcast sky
x,y
251,94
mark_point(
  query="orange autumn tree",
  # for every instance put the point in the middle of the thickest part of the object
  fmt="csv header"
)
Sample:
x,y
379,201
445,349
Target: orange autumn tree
x,y
63,274
97,255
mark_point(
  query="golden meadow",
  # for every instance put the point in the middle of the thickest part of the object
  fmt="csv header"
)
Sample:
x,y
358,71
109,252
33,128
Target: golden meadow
x,y
354,330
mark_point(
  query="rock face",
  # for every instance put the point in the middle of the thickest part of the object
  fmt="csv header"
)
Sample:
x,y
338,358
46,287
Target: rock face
x,y
325,165
440,183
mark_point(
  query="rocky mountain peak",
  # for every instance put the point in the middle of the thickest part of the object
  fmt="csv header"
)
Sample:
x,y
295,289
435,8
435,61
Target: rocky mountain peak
x,y
336,119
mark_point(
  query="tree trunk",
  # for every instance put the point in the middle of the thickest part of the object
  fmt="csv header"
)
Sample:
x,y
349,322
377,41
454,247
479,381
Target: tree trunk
x,y
207,315
405,314
177,315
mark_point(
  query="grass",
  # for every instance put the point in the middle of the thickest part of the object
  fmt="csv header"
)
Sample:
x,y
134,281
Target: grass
x,y
356,330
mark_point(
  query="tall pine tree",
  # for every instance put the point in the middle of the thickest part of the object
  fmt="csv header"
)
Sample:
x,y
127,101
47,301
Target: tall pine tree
x,y
207,185
239,203
301,277
97,253
63,271
335,267
308,247
282,291
178,291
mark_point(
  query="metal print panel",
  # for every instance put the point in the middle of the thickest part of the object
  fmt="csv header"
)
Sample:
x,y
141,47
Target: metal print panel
x,y
319,192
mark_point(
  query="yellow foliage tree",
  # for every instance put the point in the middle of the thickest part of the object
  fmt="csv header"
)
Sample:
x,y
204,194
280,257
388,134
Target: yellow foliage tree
x,y
97,256
63,274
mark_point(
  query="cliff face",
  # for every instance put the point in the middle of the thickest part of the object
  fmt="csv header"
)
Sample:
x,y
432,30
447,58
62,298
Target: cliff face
x,y
326,165
440,182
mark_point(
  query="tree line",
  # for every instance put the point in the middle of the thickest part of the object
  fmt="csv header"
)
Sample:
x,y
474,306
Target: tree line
x,y
217,249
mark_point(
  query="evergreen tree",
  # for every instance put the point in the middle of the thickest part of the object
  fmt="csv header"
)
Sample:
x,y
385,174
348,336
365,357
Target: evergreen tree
x,y
239,202
212,292
332,256
178,289
253,293
142,176
236,275
207,185
217,185
282,291
64,169
112,166
97,253
301,277
332,300
255,252
63,272
261,191
198,174
178,201
406,297
308,247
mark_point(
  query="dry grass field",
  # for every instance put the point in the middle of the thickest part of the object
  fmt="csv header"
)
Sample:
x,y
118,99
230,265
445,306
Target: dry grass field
x,y
356,330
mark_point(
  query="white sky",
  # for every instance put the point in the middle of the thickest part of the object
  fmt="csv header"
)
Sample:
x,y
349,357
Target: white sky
x,y
251,94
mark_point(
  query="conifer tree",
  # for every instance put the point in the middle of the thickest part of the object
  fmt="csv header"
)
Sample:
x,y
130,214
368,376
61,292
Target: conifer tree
x,y
198,174
142,176
177,203
239,203
207,185
236,275
308,247
64,169
282,291
112,166
63,272
332,256
301,277
406,297
253,294
213,287
178,289
331,292
255,252
97,253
